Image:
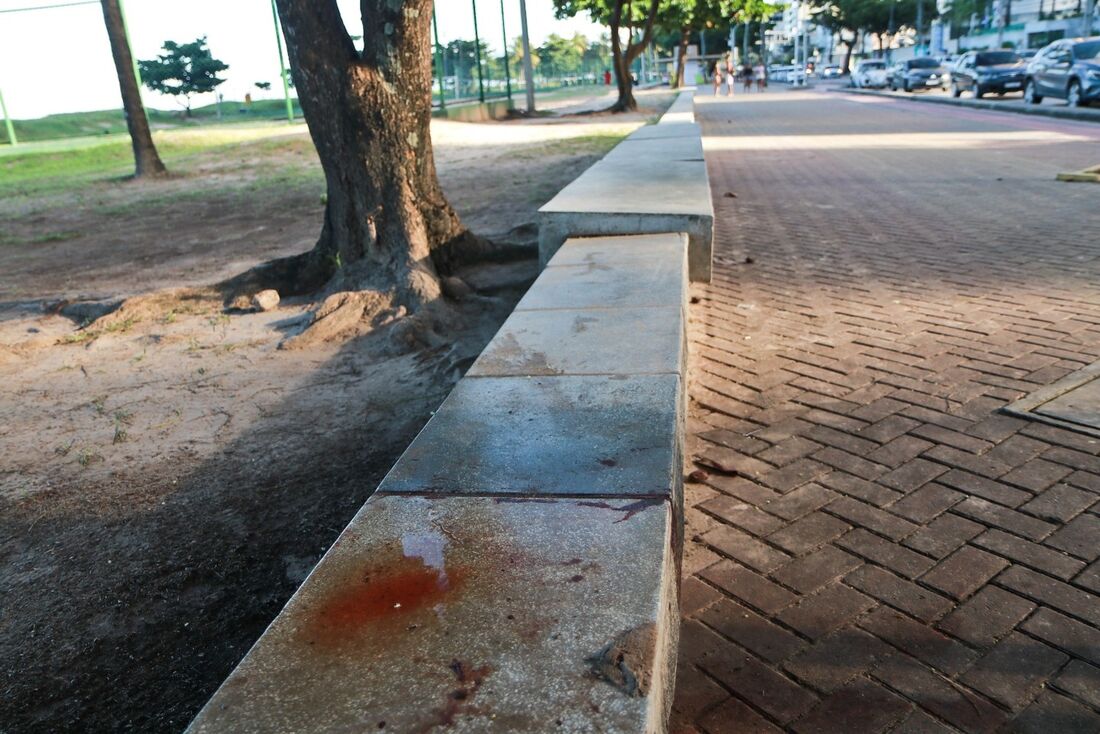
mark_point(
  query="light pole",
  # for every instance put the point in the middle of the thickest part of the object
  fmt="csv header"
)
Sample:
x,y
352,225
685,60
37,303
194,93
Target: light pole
x,y
282,64
12,140
507,71
477,54
528,67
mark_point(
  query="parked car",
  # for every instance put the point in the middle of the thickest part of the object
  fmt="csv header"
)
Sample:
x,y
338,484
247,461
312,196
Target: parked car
x,y
869,73
1068,69
924,72
981,72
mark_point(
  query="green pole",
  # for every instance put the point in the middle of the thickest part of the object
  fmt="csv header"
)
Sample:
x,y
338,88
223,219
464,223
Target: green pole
x,y
440,69
12,140
507,72
282,64
477,51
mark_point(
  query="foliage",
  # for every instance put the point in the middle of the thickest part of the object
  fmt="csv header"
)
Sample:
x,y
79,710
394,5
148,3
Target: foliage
x,y
183,70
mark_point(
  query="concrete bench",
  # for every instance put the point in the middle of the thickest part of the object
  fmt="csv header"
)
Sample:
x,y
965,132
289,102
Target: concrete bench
x,y
517,569
653,181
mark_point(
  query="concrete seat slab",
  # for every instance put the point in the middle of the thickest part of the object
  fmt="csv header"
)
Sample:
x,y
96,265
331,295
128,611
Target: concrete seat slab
x,y
471,615
663,132
545,436
618,341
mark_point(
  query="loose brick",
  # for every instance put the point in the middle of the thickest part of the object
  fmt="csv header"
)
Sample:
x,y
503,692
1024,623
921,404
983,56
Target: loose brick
x,y
1064,633
744,548
1004,518
943,535
793,475
943,436
921,723
986,617
695,692
872,518
897,558
741,514
751,631
963,571
837,659
888,428
862,706
827,610
1030,554
842,440
1059,503
1017,450
1014,669
949,702
922,603
1036,475
800,502
733,440
743,489
928,502
861,489
920,641
748,586
1074,459
789,450
736,716
912,474
970,462
809,533
1082,681
1051,592
970,484
850,463
1090,577
1081,537
899,451
816,569
1055,713
695,595
776,695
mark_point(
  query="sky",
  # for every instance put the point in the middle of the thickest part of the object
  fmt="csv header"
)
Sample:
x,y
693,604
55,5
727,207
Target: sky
x,y
59,60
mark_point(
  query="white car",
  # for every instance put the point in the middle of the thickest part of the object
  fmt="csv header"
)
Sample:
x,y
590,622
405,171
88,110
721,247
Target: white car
x,y
869,73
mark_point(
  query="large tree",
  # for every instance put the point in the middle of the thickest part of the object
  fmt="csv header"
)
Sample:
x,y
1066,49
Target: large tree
x,y
388,229
623,17
146,159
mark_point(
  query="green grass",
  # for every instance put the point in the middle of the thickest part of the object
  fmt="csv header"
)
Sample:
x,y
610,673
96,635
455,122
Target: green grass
x,y
113,122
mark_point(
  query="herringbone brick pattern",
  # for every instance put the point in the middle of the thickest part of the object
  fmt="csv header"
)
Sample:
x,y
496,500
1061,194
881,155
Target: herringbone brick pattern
x,y
874,547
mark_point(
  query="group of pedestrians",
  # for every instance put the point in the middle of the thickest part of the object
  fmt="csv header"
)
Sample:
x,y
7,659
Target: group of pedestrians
x,y
725,71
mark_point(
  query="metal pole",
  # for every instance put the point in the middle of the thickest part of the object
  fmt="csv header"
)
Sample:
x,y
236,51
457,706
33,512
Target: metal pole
x,y
507,71
440,68
477,51
528,67
12,140
282,64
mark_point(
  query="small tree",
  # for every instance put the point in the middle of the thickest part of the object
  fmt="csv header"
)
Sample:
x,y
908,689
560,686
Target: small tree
x,y
263,86
623,17
183,70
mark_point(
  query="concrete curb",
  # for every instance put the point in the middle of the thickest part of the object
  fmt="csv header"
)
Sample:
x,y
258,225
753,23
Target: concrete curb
x,y
518,568
1064,113
653,181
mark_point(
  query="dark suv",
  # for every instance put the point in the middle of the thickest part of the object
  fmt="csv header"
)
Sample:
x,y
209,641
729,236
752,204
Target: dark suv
x,y
920,73
1068,69
988,71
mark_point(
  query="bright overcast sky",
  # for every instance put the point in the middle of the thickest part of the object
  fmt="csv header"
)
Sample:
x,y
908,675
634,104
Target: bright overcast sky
x,y
60,61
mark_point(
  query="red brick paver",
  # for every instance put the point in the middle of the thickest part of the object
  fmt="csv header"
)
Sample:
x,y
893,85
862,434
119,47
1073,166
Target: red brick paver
x,y
876,547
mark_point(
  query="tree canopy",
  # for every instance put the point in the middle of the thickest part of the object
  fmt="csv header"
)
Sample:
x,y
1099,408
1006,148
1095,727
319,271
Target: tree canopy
x,y
183,70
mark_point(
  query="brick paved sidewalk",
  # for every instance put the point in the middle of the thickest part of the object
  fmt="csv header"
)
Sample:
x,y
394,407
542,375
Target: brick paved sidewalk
x,y
876,548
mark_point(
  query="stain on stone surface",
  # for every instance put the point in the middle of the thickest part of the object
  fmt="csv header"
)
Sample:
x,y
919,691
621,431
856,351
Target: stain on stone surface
x,y
627,661
629,510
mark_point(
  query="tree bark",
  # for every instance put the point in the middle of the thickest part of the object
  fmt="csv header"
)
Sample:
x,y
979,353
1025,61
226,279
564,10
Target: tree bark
x,y
681,57
146,159
387,224
848,55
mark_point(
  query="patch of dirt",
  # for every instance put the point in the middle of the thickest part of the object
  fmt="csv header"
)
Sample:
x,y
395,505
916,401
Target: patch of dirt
x,y
168,480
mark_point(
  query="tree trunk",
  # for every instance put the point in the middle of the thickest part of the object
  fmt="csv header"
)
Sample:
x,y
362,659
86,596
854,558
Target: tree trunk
x,y
622,58
387,222
848,55
146,160
681,57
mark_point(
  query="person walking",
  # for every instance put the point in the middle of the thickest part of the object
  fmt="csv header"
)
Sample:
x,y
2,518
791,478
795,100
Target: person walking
x,y
746,76
761,75
716,70
731,74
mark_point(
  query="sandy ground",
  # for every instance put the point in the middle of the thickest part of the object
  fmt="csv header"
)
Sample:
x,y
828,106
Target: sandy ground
x,y
165,485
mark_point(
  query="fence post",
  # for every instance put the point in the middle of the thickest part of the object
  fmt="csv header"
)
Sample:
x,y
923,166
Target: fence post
x,y
507,72
12,140
282,64
477,52
440,68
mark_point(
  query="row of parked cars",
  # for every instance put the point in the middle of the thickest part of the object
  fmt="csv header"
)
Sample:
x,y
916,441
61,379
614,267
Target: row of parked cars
x,y
1068,69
